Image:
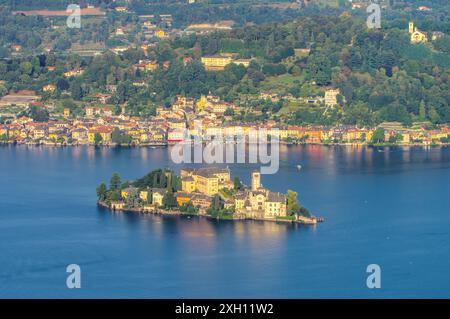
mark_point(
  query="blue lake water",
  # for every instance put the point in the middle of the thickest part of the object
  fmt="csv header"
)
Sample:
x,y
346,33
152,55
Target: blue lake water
x,y
389,208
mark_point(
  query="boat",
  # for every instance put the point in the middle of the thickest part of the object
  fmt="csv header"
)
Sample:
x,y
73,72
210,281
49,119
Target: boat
x,y
299,167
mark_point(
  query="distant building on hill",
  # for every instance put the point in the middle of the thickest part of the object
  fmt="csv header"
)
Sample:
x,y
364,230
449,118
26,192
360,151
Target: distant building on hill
x,y
416,36
331,97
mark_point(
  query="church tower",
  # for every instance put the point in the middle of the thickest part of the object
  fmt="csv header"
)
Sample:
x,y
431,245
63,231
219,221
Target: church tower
x,y
256,180
411,27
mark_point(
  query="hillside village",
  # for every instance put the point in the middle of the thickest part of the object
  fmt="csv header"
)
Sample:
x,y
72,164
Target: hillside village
x,y
147,76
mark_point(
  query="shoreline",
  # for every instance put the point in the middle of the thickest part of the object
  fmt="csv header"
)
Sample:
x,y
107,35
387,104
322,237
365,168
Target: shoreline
x,y
166,145
158,211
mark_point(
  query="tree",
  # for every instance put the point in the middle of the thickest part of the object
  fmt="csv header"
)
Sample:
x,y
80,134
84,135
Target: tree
x,y
189,208
62,84
378,135
132,200
102,192
229,112
38,114
394,139
422,111
237,183
304,212
119,137
293,207
169,200
115,182
97,139
433,115
26,68
76,90
319,70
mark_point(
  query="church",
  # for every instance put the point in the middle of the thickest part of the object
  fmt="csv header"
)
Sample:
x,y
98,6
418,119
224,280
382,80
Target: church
x,y
416,35
259,202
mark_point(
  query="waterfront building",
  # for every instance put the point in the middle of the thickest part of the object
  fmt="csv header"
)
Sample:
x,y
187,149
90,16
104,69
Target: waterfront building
x,y
157,196
259,202
104,131
182,198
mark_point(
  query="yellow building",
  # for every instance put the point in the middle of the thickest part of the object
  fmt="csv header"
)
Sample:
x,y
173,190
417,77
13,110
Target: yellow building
x,y
416,35
49,88
3,131
201,103
275,205
244,62
207,181
157,198
105,133
75,72
206,184
188,184
160,34
79,134
66,112
53,136
216,62
39,133
121,9
182,198
143,195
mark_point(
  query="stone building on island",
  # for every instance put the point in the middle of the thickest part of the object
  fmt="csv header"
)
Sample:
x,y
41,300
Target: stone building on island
x,y
259,202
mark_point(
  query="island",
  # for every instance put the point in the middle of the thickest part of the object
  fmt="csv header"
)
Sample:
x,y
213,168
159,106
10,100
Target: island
x,y
206,191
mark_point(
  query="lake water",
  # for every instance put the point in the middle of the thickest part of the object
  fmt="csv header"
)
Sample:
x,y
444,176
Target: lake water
x,y
390,208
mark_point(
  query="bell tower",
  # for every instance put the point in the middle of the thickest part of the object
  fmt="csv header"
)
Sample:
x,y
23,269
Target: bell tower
x,y
411,27
256,180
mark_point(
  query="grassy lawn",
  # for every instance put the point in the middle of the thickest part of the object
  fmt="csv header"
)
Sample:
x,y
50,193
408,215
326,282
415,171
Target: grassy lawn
x,y
295,106
281,82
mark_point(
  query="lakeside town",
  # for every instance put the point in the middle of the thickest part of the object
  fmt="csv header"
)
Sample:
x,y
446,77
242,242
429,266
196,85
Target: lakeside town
x,y
206,191
132,78
207,116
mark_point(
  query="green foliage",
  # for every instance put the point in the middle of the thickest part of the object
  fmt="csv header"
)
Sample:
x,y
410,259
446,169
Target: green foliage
x,y
37,113
381,76
237,183
115,182
188,208
378,135
132,200
319,70
169,200
120,138
396,138
98,139
159,179
293,206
